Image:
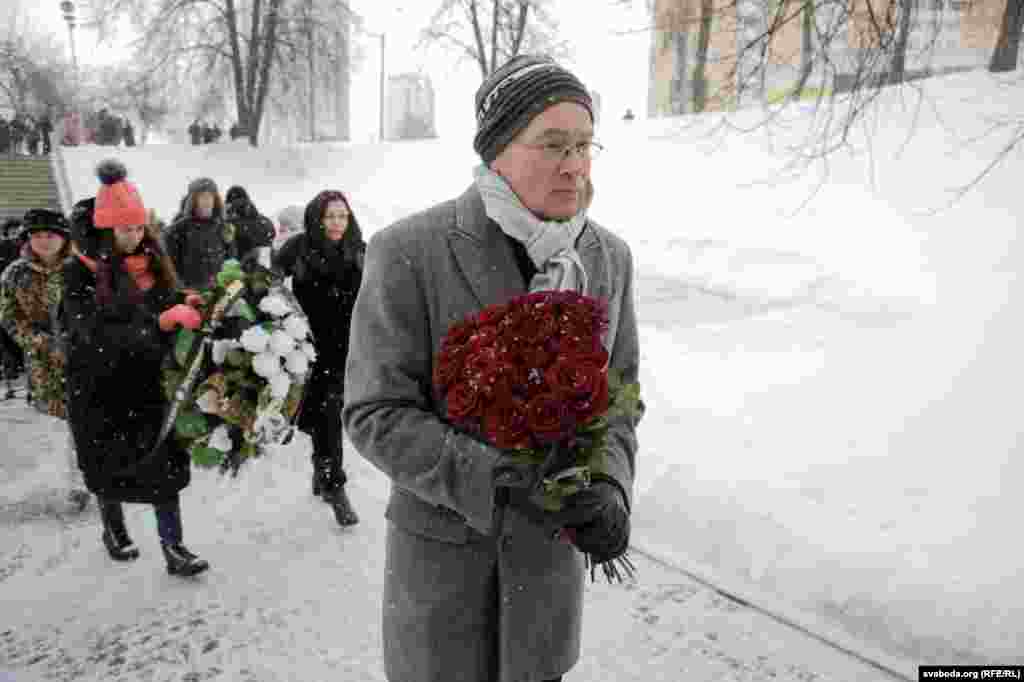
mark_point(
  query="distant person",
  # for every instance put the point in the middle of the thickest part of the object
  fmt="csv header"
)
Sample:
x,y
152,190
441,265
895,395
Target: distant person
x,y
207,134
215,133
5,135
252,229
32,137
19,131
196,240
289,222
195,132
129,134
236,131
45,128
12,358
121,310
629,116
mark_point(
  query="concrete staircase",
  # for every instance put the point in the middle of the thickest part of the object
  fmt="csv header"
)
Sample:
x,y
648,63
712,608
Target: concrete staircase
x,y
26,182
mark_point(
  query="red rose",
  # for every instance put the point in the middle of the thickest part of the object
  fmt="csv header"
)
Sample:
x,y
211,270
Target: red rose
x,y
459,333
447,367
505,425
535,357
572,378
493,314
498,380
483,337
479,362
596,404
463,401
547,418
583,344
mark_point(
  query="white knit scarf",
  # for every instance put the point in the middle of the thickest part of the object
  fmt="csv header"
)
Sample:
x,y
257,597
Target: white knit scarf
x,y
550,244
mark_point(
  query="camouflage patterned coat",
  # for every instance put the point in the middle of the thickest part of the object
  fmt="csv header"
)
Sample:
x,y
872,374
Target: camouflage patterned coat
x,y
30,293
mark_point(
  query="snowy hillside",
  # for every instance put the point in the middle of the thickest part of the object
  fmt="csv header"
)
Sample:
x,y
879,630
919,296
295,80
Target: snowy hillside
x,y
831,407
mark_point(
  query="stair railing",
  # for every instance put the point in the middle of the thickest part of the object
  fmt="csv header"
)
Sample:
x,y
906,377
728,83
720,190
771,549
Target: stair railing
x,y
59,172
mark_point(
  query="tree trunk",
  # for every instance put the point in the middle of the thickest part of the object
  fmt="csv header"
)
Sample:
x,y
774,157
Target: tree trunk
x,y
269,51
481,49
700,81
344,85
311,58
806,48
898,65
237,72
494,35
1007,50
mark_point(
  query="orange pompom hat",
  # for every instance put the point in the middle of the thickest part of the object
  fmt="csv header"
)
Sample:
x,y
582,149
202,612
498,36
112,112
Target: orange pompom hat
x,y
118,203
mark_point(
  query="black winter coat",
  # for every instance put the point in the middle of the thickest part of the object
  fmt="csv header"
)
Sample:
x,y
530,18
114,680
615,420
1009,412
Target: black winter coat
x,y
252,230
325,282
115,400
198,249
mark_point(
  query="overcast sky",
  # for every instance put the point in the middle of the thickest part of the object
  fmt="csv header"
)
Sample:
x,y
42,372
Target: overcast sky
x,y
615,66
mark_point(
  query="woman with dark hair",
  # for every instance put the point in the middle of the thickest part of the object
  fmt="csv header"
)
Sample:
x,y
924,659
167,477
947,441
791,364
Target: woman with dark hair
x,y
326,264
121,308
30,298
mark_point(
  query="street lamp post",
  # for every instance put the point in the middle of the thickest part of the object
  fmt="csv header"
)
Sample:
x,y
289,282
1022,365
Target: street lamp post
x,y
68,8
382,84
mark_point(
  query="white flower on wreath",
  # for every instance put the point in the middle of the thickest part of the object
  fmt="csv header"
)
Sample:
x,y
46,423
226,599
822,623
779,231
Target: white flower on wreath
x,y
221,348
279,385
296,362
281,343
296,326
266,365
309,351
270,426
255,339
208,402
275,305
220,439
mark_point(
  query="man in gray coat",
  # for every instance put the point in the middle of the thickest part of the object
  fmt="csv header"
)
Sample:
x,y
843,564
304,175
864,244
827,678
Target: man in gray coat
x,y
473,595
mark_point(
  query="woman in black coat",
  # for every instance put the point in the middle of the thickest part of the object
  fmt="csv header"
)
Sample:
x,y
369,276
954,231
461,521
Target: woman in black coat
x,y
326,264
120,309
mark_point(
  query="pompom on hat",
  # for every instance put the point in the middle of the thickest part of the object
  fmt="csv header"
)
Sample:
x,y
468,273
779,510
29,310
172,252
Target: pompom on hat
x,y
118,203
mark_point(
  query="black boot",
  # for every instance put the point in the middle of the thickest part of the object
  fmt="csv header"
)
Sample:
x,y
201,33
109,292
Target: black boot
x,y
115,536
182,562
318,482
343,512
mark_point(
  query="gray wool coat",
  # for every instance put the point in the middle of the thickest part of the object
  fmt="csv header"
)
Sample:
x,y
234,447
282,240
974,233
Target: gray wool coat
x,y
464,601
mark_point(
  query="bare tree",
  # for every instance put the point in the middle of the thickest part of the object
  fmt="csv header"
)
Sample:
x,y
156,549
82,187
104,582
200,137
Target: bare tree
x,y
491,32
32,68
1007,49
251,48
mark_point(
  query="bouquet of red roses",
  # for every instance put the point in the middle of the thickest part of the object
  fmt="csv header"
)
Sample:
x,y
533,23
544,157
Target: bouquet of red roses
x,y
531,377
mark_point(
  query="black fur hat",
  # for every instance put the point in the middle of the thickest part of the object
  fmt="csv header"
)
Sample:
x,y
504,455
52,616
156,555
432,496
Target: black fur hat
x,y
42,219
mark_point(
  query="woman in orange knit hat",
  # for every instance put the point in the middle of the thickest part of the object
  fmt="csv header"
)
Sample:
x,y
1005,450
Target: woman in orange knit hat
x,y
121,308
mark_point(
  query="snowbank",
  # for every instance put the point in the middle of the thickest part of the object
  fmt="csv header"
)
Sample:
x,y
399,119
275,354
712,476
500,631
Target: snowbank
x,y
829,417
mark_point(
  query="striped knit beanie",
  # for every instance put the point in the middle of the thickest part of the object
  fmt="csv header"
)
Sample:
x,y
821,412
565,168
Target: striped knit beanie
x,y
513,95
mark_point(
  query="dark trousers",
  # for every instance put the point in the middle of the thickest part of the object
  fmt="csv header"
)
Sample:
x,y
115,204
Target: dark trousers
x,y
321,419
168,519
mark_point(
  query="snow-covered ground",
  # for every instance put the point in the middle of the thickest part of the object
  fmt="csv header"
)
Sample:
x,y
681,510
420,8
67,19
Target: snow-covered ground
x,y
291,597
831,407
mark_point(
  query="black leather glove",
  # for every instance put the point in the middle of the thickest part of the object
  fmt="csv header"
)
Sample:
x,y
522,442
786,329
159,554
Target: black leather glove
x,y
512,473
598,521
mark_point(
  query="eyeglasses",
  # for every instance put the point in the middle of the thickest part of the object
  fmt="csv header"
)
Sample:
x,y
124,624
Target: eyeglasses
x,y
557,152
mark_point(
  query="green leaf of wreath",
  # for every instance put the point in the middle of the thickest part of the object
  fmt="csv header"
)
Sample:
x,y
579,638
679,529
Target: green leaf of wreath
x,y
182,345
191,425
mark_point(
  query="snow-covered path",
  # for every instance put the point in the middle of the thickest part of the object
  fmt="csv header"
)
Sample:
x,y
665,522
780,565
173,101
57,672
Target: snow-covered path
x,y
292,597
